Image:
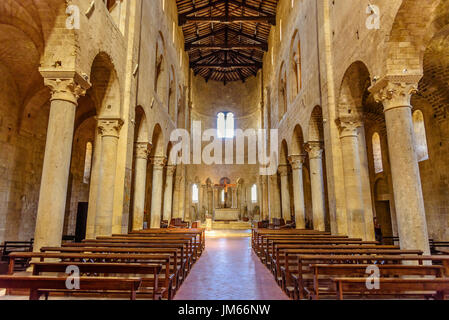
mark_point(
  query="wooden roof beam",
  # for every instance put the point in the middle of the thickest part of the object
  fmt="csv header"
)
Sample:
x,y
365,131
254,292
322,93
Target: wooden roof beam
x,y
226,65
239,46
271,19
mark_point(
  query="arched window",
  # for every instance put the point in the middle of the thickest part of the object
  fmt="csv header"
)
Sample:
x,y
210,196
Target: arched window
x,y
377,153
254,194
195,195
87,163
221,125
225,125
420,136
230,125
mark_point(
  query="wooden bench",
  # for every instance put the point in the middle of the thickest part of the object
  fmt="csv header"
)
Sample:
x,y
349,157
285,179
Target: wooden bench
x,y
40,285
323,274
396,286
298,277
73,258
187,261
175,267
184,258
149,284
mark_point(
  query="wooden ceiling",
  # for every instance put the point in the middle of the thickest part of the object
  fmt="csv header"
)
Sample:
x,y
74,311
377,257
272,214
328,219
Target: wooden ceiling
x,y
226,39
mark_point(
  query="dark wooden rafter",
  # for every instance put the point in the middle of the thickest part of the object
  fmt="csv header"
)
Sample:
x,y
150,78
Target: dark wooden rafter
x,y
226,39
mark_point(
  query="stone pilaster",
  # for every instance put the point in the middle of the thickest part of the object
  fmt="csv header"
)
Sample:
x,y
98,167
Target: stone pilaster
x,y
297,162
274,197
168,193
156,196
109,129
355,213
66,88
142,150
285,195
315,151
395,93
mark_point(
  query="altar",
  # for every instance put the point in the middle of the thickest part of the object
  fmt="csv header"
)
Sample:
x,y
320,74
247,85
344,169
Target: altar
x,y
227,214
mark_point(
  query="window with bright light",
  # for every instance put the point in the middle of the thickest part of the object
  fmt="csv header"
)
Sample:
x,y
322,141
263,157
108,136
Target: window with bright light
x,y
222,196
254,194
195,196
87,163
225,125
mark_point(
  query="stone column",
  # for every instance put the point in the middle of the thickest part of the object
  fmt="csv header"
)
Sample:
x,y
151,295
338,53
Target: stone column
x,y
297,162
355,212
140,179
283,171
315,151
109,130
156,193
65,91
210,200
264,198
395,93
168,193
93,186
275,204
182,193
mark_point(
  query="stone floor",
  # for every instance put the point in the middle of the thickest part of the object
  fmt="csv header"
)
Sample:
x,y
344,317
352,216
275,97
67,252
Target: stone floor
x,y
229,270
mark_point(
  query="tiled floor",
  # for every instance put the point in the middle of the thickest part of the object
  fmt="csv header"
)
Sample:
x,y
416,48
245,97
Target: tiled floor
x,y
229,270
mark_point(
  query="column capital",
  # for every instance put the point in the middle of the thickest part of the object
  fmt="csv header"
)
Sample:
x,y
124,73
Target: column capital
x,y
170,170
110,127
143,149
158,162
314,149
348,126
297,161
65,85
283,170
395,91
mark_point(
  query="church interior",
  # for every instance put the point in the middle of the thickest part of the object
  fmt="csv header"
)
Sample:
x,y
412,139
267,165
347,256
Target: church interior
x,y
224,149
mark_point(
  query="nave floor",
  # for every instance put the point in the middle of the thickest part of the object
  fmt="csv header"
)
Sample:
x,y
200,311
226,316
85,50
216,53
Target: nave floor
x,y
229,270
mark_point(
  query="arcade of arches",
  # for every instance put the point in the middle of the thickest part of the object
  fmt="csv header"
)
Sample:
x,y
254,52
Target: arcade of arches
x,y
86,117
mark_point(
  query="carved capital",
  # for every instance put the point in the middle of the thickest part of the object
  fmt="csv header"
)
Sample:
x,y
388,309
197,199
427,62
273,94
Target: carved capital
x,y
297,161
171,170
314,149
110,127
143,149
65,85
158,162
395,91
348,126
283,170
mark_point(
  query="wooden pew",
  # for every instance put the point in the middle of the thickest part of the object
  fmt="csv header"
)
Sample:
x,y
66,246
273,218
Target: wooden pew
x,y
162,259
195,244
184,258
324,273
283,267
257,233
38,284
148,285
175,267
299,279
201,232
188,252
397,286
